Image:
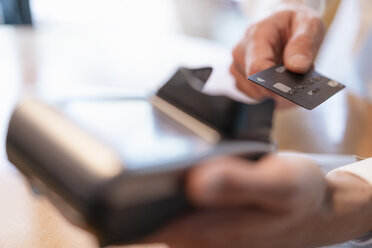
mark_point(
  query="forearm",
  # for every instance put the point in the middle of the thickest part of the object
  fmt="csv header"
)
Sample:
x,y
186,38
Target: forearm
x,y
352,187
325,8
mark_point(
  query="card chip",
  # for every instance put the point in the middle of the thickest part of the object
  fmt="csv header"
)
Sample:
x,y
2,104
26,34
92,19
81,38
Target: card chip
x,y
282,87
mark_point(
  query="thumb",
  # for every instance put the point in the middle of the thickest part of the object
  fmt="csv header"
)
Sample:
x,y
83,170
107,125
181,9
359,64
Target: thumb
x,y
274,182
304,43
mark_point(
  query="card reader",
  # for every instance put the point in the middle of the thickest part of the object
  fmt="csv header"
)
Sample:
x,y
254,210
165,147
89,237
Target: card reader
x,y
117,166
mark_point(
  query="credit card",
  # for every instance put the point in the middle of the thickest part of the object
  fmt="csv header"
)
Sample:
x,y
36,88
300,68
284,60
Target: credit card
x,y
307,90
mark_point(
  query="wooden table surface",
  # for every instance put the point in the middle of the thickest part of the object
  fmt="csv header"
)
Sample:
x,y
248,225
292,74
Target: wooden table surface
x,y
60,63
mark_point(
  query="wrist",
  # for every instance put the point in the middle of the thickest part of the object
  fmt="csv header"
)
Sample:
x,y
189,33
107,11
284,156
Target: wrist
x,y
318,5
262,9
313,8
360,174
350,203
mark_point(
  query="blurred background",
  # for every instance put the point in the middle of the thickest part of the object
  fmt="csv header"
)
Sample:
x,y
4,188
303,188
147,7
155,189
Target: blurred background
x,y
76,48
116,47
222,21
215,19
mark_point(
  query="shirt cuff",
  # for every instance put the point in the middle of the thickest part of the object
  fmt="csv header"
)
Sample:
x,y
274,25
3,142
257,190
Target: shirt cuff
x,y
362,169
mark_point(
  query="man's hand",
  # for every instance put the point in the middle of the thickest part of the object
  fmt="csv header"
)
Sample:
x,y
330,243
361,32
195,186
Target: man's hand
x,y
291,36
276,202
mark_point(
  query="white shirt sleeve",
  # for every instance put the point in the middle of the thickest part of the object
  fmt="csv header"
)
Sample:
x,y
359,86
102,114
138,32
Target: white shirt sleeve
x,y
362,169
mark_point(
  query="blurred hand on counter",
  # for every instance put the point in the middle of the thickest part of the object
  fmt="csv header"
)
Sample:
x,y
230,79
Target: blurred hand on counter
x,y
275,202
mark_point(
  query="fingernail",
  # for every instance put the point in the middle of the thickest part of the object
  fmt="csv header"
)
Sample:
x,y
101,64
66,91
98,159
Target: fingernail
x,y
300,61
